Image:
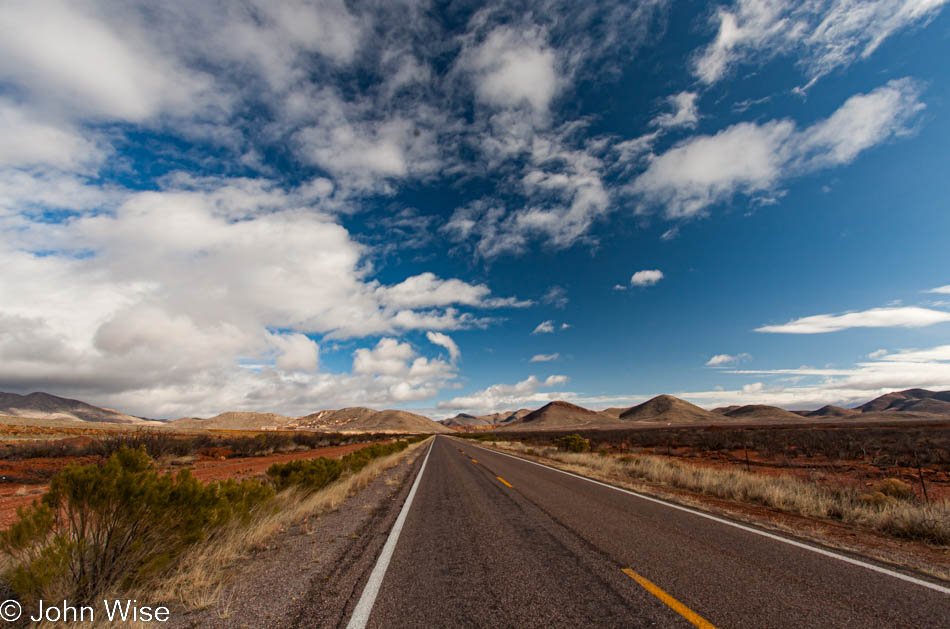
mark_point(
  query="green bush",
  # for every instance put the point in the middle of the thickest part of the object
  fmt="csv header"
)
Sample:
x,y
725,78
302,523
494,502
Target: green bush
x,y
315,474
572,443
101,527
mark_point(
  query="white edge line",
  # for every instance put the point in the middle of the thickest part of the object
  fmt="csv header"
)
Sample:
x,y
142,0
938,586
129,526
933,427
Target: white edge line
x,y
368,598
749,529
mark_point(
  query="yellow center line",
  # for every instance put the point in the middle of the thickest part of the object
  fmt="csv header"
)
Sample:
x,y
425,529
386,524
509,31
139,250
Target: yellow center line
x,y
504,482
674,604
474,460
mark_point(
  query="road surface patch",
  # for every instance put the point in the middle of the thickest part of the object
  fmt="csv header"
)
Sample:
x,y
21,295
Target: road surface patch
x,y
684,611
364,607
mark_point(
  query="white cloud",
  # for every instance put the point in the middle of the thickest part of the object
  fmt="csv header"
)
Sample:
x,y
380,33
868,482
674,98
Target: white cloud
x,y
96,307
824,35
903,317
499,397
565,326
545,358
28,141
445,341
427,289
753,158
647,277
722,360
513,67
684,114
545,327
878,353
297,352
927,368
940,290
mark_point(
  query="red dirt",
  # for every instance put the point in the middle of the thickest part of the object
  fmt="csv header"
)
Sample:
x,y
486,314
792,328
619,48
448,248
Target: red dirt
x,y
29,477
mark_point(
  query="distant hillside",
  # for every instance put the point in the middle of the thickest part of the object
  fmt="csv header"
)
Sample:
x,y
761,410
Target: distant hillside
x,y
722,410
46,406
755,412
833,411
556,415
910,400
465,420
666,408
353,419
236,421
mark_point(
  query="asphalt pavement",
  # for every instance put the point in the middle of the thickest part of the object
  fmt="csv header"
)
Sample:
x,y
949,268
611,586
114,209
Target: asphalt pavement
x,y
494,541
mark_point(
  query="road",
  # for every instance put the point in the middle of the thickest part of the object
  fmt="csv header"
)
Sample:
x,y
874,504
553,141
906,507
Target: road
x,y
494,541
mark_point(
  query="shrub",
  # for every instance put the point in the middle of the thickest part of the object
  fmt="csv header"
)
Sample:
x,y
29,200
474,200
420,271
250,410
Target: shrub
x,y
311,474
572,443
101,527
895,488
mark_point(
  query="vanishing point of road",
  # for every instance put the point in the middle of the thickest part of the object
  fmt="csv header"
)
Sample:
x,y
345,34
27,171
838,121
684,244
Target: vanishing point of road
x,y
490,540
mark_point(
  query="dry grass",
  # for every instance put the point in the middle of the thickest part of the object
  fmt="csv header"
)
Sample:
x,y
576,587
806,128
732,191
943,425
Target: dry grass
x,y
905,517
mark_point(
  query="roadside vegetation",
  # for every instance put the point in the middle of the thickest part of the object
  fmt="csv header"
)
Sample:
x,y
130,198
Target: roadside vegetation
x,y
889,506
123,529
162,443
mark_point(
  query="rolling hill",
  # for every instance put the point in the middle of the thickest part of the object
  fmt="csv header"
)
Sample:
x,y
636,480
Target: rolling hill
x,y
910,400
758,412
45,406
666,408
558,415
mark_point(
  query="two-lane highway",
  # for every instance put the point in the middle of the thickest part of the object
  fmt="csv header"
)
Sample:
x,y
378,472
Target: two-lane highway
x,y
494,541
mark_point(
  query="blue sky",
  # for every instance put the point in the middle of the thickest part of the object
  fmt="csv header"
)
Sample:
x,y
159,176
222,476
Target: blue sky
x,y
473,207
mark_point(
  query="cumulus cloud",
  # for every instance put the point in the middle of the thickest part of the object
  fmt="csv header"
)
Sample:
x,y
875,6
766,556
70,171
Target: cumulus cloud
x,y
513,67
498,397
545,358
96,307
444,340
940,290
684,114
900,317
722,360
646,277
753,158
823,35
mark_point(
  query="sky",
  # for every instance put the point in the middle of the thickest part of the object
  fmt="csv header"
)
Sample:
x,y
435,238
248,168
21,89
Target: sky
x,y
469,206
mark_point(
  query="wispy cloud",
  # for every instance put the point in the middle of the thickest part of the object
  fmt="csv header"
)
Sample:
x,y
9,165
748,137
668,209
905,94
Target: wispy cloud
x,y
545,358
723,360
822,35
940,290
903,317
498,397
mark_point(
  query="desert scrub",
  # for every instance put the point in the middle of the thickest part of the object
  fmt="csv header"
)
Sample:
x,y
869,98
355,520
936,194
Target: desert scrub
x,y
315,474
890,508
112,526
572,443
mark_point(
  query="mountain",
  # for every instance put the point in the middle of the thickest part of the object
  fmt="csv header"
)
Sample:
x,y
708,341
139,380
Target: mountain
x,y
833,411
336,419
666,408
755,412
555,415
464,420
46,406
362,419
353,419
615,411
235,420
910,400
